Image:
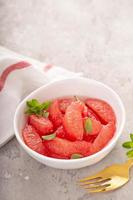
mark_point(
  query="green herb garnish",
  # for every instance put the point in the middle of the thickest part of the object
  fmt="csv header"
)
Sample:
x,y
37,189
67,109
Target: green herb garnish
x,y
130,154
49,137
129,145
37,108
131,136
88,125
76,156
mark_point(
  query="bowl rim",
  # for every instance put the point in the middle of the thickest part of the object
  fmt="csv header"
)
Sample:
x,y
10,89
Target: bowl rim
x,y
91,157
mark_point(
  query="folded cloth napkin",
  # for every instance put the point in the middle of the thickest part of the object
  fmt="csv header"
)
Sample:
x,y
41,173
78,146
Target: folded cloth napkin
x,y
20,75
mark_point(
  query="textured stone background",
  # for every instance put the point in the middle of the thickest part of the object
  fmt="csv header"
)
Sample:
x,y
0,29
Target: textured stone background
x,y
95,37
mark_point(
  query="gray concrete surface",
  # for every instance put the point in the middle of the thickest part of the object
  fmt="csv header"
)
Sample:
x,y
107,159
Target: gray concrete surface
x,y
95,37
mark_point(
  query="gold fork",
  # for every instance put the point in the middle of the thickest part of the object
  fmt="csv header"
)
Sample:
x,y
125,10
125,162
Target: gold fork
x,y
108,179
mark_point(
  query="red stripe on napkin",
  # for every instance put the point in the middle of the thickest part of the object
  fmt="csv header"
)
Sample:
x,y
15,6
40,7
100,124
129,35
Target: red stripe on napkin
x,y
8,70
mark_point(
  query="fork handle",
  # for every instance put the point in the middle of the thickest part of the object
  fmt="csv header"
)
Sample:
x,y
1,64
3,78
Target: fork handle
x,y
129,163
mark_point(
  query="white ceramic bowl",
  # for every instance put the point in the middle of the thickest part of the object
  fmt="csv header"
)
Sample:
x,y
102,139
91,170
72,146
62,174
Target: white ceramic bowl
x,y
71,87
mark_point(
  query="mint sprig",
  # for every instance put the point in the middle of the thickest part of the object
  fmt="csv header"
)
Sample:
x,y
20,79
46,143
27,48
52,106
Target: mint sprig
x,y
129,145
37,108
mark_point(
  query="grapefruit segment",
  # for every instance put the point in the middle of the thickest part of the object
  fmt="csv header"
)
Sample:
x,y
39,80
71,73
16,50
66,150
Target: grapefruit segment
x,y
60,132
66,148
89,138
55,114
33,140
102,109
96,126
64,103
85,111
41,124
73,122
103,138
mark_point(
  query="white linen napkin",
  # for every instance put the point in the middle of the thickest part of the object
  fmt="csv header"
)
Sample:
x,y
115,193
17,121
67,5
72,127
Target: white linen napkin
x,y
20,75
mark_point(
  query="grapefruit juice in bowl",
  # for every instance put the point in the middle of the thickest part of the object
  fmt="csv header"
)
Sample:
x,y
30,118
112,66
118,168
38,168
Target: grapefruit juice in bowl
x,y
61,152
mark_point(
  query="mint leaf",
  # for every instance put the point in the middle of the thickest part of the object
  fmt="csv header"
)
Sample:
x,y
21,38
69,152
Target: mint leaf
x,y
37,108
32,103
130,154
76,156
131,136
128,145
88,125
46,105
49,137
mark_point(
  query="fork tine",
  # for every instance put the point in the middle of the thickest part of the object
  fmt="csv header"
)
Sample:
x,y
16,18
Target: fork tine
x,y
91,181
90,178
97,184
98,187
103,188
97,190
